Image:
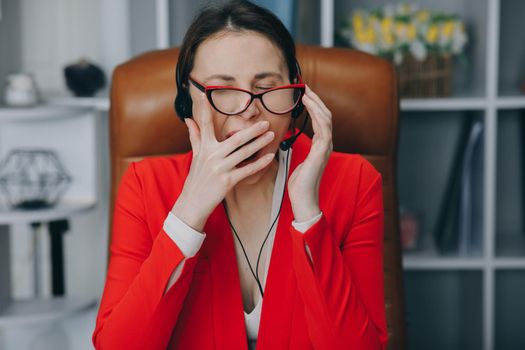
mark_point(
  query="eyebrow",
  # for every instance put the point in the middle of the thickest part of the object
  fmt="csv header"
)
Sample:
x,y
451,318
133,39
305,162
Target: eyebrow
x,y
257,76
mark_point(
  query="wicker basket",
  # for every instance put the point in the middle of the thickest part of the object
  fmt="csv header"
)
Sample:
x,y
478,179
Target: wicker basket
x,y
429,78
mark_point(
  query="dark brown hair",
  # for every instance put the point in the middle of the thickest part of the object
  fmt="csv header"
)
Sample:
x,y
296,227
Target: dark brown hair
x,y
236,15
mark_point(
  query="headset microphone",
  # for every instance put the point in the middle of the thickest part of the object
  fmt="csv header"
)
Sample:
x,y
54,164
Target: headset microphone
x,y
286,144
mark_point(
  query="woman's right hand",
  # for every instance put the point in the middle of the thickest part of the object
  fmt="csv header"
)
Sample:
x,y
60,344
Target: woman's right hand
x,y
213,172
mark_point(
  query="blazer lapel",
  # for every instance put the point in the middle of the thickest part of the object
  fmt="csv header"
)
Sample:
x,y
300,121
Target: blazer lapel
x,y
228,311
280,290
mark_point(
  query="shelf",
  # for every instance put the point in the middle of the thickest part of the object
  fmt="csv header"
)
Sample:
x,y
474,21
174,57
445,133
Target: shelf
x,y
509,263
509,310
443,309
40,113
29,312
441,263
62,210
429,258
98,103
511,102
443,104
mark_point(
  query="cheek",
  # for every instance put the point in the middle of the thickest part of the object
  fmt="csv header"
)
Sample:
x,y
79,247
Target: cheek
x,y
280,126
218,125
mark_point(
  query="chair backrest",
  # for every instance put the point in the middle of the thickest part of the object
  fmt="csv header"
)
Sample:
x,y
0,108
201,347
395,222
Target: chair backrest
x,y
359,89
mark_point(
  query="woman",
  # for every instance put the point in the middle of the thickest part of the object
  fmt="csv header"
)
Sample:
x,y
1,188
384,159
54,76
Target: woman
x,y
194,234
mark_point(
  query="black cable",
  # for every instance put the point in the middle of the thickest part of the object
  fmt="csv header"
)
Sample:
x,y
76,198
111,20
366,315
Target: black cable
x,y
256,274
244,251
279,213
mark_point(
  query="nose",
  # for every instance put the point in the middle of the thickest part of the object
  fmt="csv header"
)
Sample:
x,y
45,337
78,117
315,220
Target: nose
x,y
253,110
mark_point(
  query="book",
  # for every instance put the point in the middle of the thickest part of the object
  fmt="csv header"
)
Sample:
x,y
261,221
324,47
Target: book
x,y
469,227
446,230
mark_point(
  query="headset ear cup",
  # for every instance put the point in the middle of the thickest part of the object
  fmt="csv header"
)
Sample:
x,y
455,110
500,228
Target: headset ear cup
x,y
178,106
183,104
188,104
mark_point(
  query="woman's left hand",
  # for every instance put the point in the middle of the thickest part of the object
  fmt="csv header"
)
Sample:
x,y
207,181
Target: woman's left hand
x,y
303,184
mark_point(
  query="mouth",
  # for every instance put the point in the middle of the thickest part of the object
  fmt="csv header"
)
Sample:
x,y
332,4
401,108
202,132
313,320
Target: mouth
x,y
254,157
251,158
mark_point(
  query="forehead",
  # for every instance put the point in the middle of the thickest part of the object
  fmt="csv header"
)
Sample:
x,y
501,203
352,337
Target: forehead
x,y
239,54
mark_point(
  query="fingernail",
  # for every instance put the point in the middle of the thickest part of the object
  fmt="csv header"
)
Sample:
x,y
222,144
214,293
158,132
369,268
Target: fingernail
x,y
264,124
269,135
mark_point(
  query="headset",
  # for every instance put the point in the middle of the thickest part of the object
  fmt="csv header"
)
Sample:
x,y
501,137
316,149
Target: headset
x,y
183,107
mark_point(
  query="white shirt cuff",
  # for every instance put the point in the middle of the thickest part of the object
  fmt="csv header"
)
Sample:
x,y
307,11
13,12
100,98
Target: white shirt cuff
x,y
187,239
305,225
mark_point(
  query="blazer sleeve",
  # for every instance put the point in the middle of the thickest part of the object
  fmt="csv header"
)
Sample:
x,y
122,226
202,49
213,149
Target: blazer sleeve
x,y
342,284
135,311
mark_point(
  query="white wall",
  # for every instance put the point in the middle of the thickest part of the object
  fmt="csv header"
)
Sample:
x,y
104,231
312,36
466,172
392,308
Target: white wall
x,y
59,32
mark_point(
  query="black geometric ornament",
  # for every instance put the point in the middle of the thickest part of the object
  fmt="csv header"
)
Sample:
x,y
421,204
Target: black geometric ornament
x,y
33,178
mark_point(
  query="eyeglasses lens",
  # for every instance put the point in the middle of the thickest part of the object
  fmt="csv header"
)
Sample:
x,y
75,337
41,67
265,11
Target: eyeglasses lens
x,y
235,101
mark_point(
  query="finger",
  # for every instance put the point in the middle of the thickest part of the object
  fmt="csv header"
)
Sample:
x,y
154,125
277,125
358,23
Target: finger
x,y
318,122
322,129
242,137
309,92
204,115
193,130
238,156
240,173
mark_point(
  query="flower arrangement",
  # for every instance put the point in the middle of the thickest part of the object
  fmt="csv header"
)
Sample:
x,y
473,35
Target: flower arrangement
x,y
393,31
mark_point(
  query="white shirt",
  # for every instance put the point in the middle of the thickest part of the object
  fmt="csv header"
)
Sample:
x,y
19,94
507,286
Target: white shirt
x,y
189,242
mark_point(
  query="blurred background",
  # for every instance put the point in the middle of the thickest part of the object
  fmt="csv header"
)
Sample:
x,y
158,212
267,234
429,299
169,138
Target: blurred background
x,y
461,159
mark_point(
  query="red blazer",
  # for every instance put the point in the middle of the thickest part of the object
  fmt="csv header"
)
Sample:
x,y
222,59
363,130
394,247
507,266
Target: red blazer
x,y
334,301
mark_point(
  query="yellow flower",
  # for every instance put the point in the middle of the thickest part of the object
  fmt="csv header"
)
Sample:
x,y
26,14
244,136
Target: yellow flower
x,y
370,34
405,9
360,36
422,15
432,34
386,24
447,29
365,36
411,32
401,29
357,20
388,38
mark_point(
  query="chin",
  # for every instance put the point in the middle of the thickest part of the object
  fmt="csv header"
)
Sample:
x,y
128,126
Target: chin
x,y
256,177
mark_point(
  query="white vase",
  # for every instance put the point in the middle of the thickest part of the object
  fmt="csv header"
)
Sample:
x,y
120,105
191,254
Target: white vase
x,y
20,90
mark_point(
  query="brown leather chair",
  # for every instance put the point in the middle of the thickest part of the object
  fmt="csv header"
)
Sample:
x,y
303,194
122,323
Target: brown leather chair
x,y
359,89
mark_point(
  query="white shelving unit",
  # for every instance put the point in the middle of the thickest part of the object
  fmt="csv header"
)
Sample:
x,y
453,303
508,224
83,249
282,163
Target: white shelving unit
x,y
496,28
70,131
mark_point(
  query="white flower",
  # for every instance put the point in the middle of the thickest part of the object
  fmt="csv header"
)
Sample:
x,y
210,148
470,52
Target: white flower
x,y
369,48
459,39
398,57
418,50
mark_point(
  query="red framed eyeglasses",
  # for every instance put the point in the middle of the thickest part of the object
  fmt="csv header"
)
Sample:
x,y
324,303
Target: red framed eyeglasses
x,y
231,100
